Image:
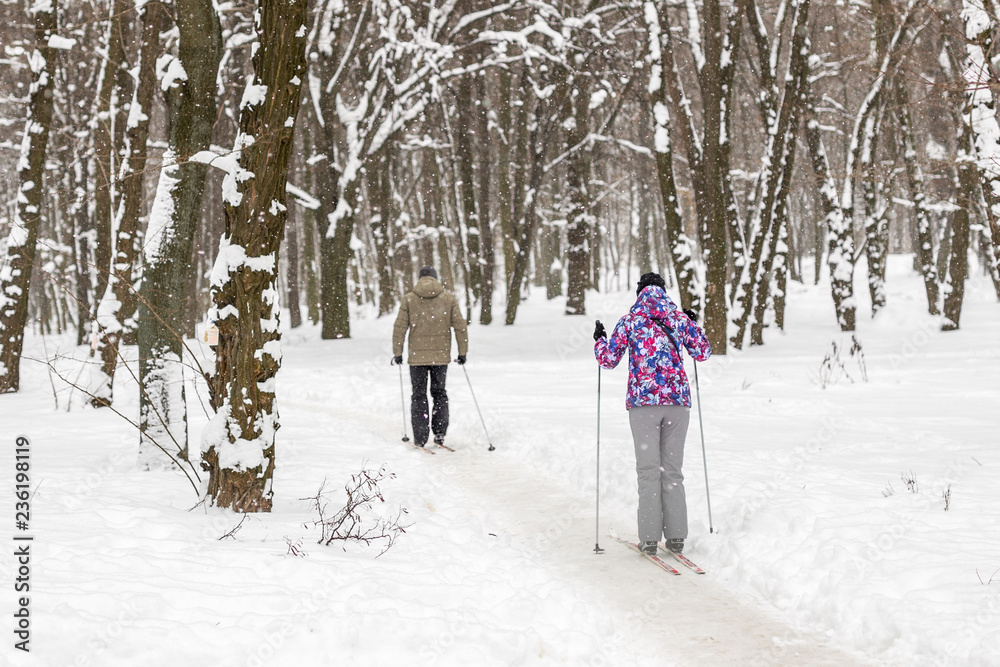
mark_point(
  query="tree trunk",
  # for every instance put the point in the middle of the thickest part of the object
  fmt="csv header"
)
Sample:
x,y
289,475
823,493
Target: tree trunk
x,y
103,126
922,212
580,219
83,251
464,134
115,313
173,222
958,270
505,128
486,242
661,77
15,277
380,197
239,450
777,165
525,238
292,236
982,116
840,239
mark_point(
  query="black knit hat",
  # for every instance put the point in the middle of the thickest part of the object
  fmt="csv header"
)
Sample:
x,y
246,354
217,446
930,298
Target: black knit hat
x,y
428,271
648,279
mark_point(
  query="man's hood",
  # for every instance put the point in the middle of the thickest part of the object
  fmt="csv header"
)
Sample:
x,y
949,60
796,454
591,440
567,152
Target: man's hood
x,y
427,288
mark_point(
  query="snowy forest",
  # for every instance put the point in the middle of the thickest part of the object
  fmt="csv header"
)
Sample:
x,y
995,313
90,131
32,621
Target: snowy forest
x,y
187,183
519,146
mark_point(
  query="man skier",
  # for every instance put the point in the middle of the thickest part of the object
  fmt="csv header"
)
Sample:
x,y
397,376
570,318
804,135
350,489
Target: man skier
x,y
429,313
658,401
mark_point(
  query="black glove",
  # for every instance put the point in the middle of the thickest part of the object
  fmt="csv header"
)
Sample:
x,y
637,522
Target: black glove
x,y
461,360
599,331
398,361
690,313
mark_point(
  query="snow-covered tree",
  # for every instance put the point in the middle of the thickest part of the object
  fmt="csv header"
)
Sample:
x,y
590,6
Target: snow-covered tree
x,y
115,317
15,273
238,446
188,80
981,31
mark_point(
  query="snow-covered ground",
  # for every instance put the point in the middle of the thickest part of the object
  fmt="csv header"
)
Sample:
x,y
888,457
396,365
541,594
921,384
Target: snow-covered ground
x,y
821,553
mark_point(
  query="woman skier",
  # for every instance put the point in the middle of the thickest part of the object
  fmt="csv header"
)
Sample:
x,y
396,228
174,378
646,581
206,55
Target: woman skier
x,y
658,401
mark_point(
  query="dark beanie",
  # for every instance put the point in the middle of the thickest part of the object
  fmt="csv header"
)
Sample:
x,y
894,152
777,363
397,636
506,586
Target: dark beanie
x,y
429,271
650,279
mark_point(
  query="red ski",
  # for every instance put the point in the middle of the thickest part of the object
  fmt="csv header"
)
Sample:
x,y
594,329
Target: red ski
x,y
650,557
682,559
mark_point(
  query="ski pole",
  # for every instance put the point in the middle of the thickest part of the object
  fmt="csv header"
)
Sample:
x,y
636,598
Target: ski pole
x,y
597,488
704,457
477,408
402,403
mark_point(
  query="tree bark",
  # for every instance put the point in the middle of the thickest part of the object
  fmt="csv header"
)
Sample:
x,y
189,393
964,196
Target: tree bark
x,y
380,198
487,249
292,239
981,26
464,134
115,313
239,448
15,277
780,111
922,212
661,76
580,219
958,270
174,219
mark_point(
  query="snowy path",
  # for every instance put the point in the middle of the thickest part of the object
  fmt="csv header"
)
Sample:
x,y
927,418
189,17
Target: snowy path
x,y
683,620
687,620
534,519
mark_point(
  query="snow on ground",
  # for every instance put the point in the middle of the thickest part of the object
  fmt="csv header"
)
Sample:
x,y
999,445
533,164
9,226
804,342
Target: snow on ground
x,y
821,555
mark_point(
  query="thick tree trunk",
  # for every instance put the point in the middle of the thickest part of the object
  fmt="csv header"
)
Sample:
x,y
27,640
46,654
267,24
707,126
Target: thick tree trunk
x,y
239,446
15,277
173,222
711,201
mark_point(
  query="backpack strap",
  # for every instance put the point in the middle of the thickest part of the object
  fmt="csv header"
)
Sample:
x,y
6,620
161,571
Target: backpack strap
x,y
670,335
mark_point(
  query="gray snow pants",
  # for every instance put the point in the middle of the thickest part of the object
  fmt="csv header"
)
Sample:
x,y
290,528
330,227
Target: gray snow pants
x,y
659,432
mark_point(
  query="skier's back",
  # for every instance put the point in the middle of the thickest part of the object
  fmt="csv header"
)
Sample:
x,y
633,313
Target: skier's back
x,y
658,401
428,314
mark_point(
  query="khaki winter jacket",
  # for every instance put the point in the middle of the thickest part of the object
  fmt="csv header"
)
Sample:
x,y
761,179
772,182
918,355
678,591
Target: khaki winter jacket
x,y
429,313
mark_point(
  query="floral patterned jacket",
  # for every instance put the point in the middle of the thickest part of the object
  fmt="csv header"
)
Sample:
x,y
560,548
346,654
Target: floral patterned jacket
x,y
653,333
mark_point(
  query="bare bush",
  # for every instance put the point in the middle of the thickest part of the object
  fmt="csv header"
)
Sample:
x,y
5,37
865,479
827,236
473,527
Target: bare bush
x,y
357,521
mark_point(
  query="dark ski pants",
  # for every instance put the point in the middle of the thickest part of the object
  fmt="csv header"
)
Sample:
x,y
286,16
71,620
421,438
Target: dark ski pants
x,y
418,402
659,432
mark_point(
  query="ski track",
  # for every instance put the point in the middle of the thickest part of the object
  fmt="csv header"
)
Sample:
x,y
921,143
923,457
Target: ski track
x,y
679,620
